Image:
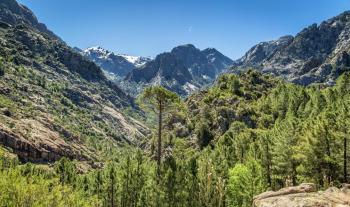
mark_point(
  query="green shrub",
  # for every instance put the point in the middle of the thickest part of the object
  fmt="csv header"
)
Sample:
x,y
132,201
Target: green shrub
x,y
245,181
204,135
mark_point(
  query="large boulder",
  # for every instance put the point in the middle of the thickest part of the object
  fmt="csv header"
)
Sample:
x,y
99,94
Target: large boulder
x,y
305,195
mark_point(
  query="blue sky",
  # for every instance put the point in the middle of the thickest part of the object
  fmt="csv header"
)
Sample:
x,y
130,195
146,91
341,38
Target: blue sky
x,y
149,27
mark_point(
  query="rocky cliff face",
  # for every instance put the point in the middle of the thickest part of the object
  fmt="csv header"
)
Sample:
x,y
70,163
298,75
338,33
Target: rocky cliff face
x,y
318,54
219,61
183,70
53,101
305,195
166,70
14,14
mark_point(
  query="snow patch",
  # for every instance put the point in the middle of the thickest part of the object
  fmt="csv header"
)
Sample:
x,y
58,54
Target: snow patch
x,y
205,77
189,87
138,61
131,59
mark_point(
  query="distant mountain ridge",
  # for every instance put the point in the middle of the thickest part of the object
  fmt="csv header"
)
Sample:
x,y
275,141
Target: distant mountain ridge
x,y
318,54
117,64
183,70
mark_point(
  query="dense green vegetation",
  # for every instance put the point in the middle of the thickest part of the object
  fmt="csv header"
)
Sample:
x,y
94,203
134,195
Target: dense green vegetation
x,y
30,185
247,134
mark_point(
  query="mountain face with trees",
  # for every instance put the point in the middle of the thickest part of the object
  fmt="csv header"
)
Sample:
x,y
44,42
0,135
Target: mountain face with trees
x,y
70,137
317,54
55,103
289,122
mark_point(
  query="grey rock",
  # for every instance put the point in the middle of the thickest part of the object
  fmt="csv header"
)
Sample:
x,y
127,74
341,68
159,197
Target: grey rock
x,y
303,195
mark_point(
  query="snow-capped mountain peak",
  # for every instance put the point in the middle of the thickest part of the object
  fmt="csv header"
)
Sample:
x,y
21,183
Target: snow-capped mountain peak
x,y
118,64
101,53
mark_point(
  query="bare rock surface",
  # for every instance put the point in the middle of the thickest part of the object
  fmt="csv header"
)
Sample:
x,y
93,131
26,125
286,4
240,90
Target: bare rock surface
x,y
305,195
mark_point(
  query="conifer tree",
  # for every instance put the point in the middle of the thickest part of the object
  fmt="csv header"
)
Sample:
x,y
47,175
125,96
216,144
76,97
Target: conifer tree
x,y
160,101
284,163
112,186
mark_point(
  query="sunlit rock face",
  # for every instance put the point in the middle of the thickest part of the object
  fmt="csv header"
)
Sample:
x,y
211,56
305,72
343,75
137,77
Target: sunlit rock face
x,y
305,195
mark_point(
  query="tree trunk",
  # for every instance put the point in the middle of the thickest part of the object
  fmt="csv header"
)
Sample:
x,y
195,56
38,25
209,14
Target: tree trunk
x,y
159,157
328,149
294,174
112,193
345,159
269,179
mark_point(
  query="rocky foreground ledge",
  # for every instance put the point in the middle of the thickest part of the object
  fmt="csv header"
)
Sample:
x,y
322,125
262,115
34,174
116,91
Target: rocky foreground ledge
x,y
305,195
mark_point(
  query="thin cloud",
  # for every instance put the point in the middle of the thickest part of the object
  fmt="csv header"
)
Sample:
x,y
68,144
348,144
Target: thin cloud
x,y
190,29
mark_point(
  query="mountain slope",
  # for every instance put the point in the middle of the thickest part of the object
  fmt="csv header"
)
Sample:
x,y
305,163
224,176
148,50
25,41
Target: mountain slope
x,y
318,54
182,70
53,101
